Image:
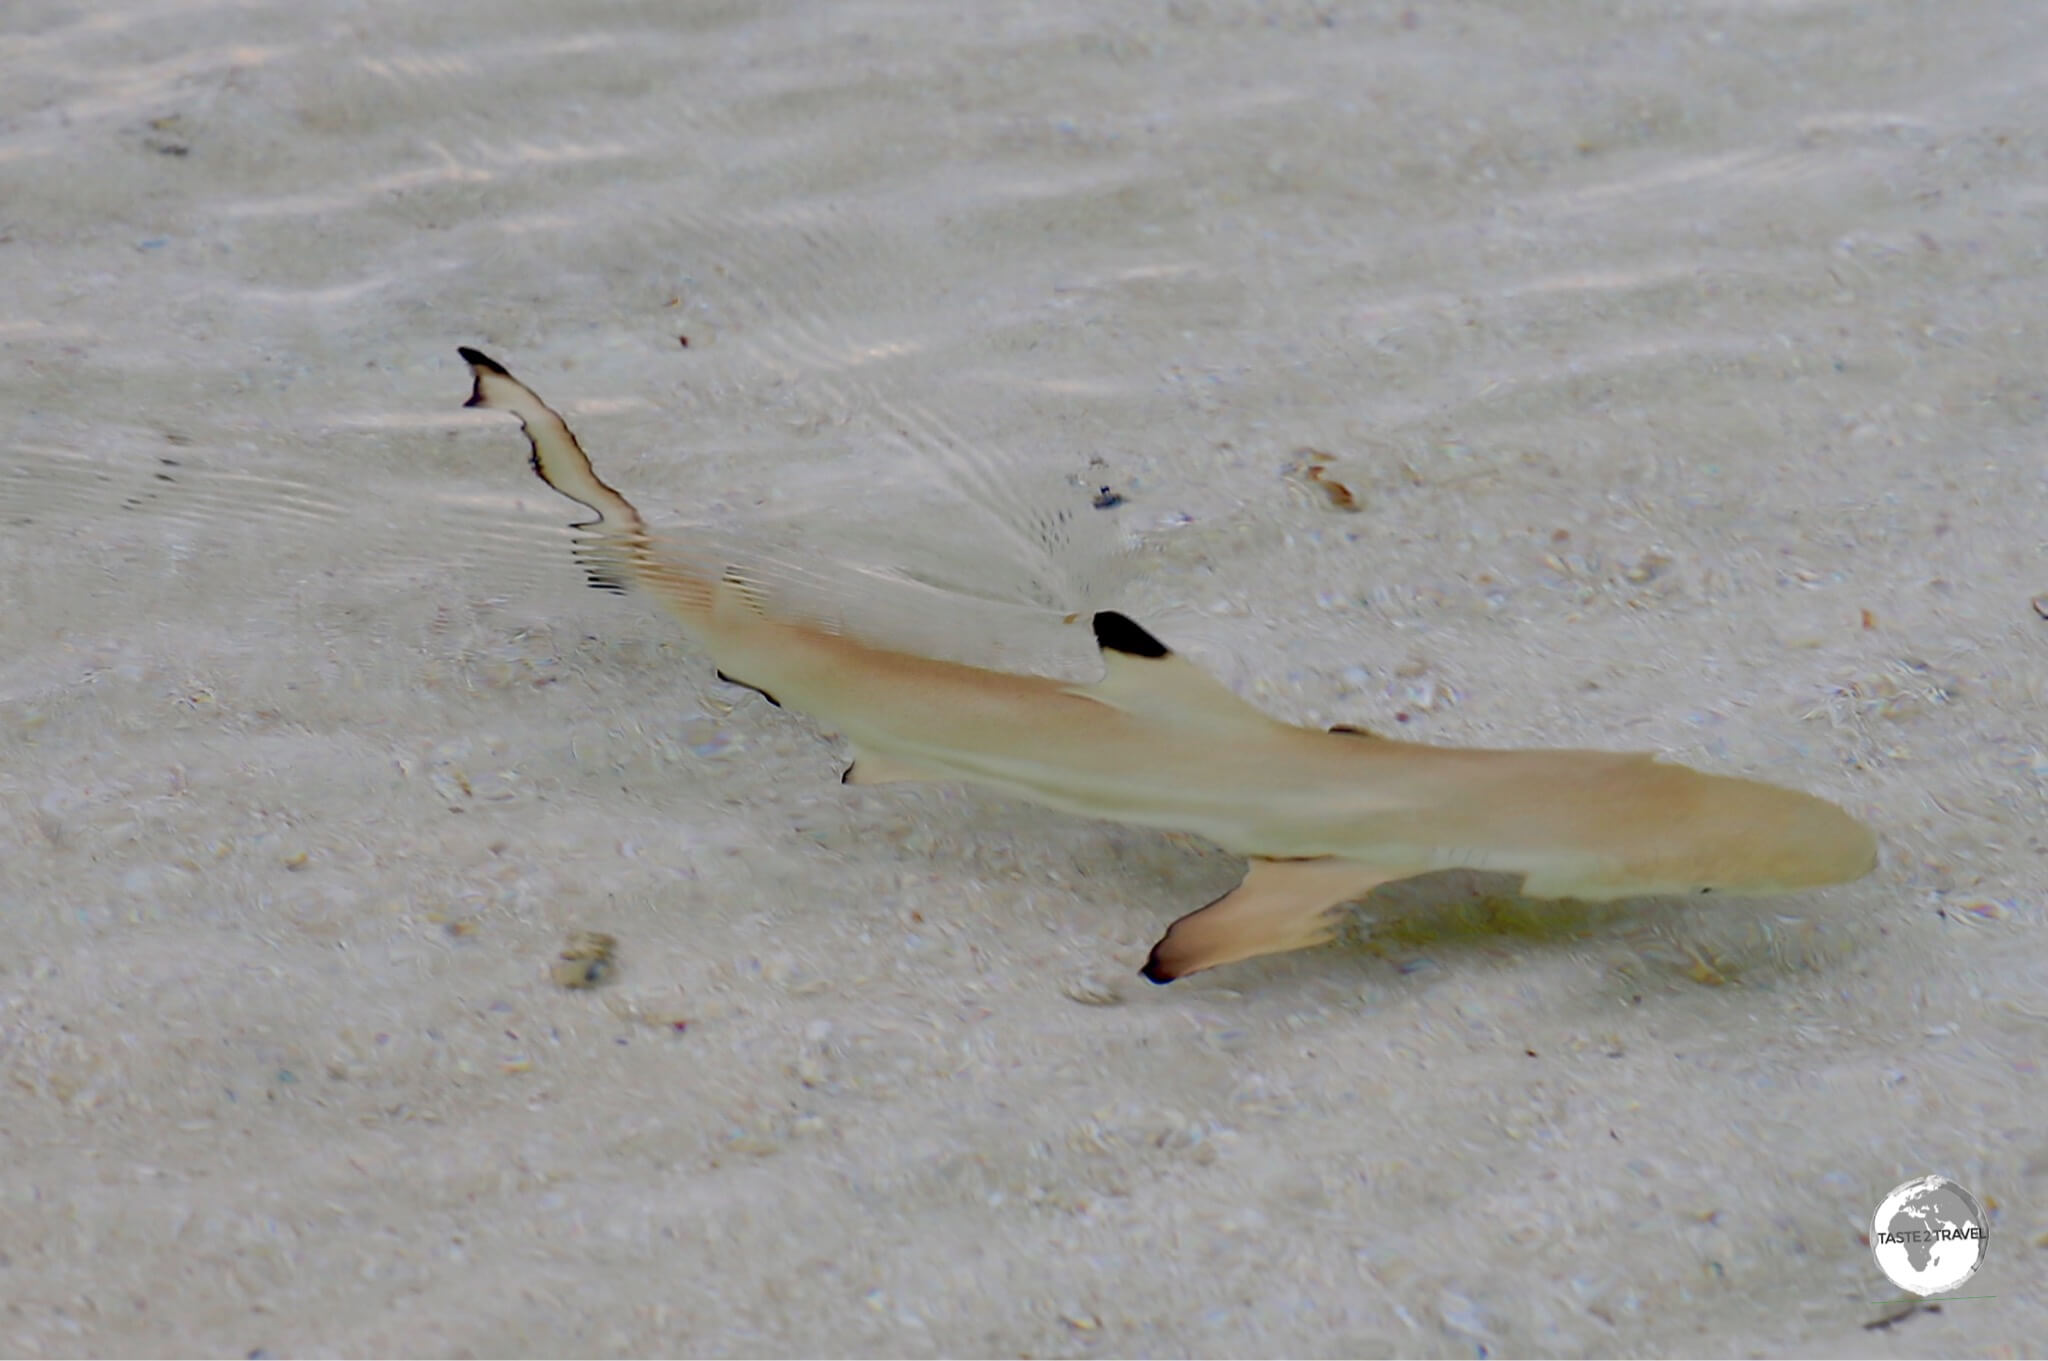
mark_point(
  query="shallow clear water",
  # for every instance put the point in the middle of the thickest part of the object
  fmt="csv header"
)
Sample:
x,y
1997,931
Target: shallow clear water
x,y
1685,361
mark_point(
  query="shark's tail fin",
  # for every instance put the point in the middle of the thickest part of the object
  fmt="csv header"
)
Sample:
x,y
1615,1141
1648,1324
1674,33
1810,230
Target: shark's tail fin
x,y
610,556
795,576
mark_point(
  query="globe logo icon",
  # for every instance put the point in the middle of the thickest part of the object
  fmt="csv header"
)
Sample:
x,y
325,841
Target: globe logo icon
x,y
1928,1235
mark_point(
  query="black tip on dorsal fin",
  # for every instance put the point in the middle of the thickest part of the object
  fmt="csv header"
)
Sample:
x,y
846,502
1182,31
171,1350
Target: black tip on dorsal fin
x,y
1118,633
1352,730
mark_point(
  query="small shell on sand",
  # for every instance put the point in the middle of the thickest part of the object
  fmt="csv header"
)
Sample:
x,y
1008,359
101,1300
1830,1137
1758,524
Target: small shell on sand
x,y
586,961
1339,482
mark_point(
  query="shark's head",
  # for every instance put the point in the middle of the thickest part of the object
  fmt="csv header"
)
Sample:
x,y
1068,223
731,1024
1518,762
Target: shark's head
x,y
1758,838
1718,835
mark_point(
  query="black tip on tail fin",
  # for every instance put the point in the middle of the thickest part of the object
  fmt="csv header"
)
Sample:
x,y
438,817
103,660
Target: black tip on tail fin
x,y
480,364
1118,633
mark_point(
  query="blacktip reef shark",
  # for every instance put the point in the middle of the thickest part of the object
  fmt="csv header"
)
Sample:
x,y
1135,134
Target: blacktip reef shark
x,y
1323,816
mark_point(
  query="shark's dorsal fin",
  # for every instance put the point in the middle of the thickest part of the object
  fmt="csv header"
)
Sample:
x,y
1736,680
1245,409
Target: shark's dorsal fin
x,y
1147,678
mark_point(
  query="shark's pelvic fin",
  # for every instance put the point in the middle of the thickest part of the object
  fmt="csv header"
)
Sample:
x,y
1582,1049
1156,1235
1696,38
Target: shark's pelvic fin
x,y
730,680
868,768
1281,905
1147,677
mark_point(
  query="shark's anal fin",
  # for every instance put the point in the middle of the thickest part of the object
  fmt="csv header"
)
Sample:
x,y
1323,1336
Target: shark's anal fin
x,y
1281,905
1147,678
868,768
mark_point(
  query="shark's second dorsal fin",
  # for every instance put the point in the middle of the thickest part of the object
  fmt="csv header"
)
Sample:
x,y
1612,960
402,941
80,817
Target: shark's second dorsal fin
x,y
1148,678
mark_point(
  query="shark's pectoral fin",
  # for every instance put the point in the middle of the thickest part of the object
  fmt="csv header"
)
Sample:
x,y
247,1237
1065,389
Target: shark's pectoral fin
x,y
868,768
1281,905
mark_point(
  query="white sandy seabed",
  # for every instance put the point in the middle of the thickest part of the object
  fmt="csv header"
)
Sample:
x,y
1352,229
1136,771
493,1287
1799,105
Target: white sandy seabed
x,y
1687,360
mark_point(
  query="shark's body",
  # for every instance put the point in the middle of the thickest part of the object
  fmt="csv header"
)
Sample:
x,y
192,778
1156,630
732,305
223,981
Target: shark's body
x,y
1324,816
